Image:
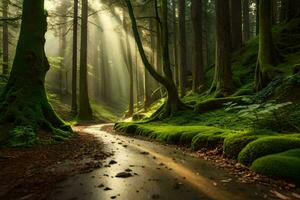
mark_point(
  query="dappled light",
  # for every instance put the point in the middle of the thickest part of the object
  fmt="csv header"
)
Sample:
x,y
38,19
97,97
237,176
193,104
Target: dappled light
x,y
149,99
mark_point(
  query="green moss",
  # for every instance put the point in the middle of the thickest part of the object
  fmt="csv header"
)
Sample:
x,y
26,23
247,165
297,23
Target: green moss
x,y
266,146
284,165
234,145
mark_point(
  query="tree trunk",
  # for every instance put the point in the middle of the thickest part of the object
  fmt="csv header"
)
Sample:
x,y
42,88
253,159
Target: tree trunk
x,y
173,103
246,21
182,47
175,43
236,24
85,111
283,10
293,9
222,84
129,64
198,71
74,58
257,16
24,101
266,55
5,41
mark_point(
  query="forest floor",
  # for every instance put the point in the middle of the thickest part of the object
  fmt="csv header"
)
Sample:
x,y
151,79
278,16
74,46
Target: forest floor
x,y
32,173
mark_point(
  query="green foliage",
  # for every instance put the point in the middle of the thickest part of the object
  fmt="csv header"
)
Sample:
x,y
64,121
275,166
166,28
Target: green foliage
x,y
23,136
282,165
266,146
265,115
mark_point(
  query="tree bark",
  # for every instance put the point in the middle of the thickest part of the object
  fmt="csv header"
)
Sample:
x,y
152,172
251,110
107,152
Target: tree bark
x,y
198,71
246,21
175,43
236,24
5,40
182,47
24,101
266,55
85,111
222,84
74,59
129,64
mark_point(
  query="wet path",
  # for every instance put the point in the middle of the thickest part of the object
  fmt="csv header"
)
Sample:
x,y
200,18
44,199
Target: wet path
x,y
158,172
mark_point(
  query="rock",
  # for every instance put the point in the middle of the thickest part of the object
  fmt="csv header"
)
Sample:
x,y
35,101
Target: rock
x,y
128,170
100,185
112,162
155,196
107,189
144,153
123,175
113,197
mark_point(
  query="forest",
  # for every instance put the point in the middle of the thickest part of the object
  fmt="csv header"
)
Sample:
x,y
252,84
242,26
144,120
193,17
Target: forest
x,y
149,99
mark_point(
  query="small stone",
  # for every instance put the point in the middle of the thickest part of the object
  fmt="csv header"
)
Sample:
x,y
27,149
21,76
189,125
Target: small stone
x,y
112,162
107,189
123,175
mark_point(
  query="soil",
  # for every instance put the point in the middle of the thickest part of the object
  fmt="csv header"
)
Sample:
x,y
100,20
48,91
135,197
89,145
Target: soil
x,y
31,173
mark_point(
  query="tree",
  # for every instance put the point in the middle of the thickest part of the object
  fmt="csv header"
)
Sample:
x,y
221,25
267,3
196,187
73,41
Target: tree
x,y
182,47
24,101
246,21
222,84
293,9
198,71
74,59
236,24
267,55
175,43
5,41
129,64
85,111
173,103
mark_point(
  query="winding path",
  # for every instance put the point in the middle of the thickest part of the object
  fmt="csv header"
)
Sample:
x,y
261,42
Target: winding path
x,y
158,172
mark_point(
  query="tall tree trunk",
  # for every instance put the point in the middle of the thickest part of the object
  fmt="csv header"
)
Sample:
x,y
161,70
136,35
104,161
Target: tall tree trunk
x,y
266,55
74,58
5,41
129,64
175,43
257,16
283,11
246,21
182,47
222,84
236,24
173,103
198,70
85,111
62,52
24,101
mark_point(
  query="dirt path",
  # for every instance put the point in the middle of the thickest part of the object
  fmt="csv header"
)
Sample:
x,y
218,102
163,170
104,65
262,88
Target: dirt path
x,y
152,171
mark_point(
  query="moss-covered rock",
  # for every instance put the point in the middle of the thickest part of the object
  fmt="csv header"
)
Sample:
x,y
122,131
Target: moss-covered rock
x,y
284,165
234,145
266,146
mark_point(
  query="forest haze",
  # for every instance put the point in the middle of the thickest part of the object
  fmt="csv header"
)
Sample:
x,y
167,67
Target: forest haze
x,y
219,80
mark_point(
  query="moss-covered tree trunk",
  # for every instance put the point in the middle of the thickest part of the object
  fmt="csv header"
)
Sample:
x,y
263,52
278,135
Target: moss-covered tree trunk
x,y
222,84
5,41
265,70
24,101
85,111
173,103
74,59
198,68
